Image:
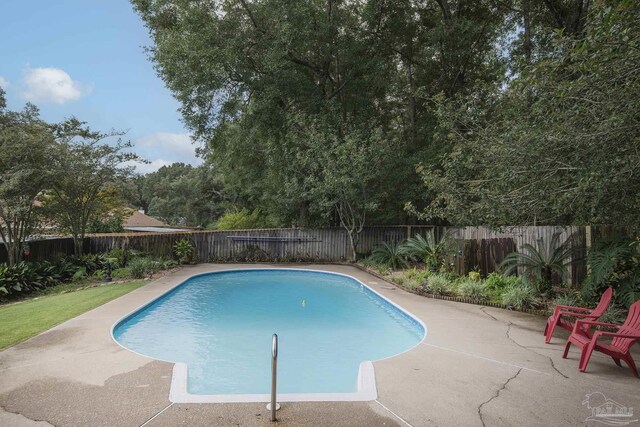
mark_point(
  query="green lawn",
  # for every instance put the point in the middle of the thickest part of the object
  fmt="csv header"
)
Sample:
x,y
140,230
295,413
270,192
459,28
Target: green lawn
x,y
25,319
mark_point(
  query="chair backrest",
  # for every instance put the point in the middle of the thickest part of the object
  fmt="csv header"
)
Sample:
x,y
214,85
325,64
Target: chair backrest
x,y
630,326
602,306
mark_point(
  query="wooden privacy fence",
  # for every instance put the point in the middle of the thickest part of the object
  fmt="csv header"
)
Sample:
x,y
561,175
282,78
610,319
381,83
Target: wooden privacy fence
x,y
477,248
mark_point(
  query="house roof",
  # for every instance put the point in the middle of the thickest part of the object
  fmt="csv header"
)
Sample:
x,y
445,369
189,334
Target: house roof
x,y
138,219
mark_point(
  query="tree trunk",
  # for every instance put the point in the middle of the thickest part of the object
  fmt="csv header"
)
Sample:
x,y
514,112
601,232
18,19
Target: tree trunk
x,y
526,21
13,253
352,241
411,103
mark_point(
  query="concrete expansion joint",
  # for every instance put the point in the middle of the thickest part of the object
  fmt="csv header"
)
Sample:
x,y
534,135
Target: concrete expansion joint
x,y
553,365
393,413
495,396
152,418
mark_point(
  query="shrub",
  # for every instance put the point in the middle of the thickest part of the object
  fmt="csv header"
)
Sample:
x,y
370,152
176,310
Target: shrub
x,y
567,299
389,254
402,279
438,284
140,268
80,274
613,314
184,251
474,275
418,275
243,220
55,272
473,289
520,296
121,255
614,263
542,260
22,277
121,273
90,262
429,250
498,281
382,269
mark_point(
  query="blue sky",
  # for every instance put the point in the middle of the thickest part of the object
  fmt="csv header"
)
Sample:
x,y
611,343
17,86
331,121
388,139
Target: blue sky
x,y
85,58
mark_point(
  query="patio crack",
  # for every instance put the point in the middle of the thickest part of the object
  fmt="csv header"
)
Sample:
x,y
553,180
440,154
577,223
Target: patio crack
x,y
483,309
495,396
509,325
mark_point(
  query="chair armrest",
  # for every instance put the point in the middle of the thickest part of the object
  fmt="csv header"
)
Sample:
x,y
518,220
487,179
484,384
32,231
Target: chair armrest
x,y
581,315
569,307
616,335
589,323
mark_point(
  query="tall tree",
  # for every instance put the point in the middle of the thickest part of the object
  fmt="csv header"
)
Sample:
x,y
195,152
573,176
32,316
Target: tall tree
x,y
184,195
26,146
560,144
88,169
252,67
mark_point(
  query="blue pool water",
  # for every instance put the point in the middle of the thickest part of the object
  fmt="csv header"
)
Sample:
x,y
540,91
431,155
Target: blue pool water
x,y
220,325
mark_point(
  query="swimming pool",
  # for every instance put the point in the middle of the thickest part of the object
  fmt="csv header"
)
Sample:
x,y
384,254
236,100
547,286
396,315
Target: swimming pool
x,y
218,327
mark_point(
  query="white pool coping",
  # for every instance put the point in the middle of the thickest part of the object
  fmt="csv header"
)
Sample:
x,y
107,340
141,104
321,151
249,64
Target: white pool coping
x,y
366,390
366,382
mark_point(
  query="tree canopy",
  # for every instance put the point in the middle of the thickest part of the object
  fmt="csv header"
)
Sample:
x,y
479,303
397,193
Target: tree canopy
x,y
466,112
26,162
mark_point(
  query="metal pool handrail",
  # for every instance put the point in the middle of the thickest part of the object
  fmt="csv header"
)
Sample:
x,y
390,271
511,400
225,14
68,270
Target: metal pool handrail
x,y
274,374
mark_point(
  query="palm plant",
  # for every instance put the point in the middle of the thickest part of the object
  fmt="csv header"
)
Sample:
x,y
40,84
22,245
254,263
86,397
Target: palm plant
x,y
614,263
389,254
429,250
541,261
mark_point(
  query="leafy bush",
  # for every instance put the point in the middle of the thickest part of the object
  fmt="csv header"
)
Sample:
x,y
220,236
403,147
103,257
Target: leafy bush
x,y
81,273
55,272
613,314
473,289
497,281
380,268
90,262
567,299
166,263
122,256
496,284
111,224
474,275
520,296
429,250
401,279
28,277
121,273
184,251
614,263
243,220
542,260
416,274
389,254
19,278
140,268
438,284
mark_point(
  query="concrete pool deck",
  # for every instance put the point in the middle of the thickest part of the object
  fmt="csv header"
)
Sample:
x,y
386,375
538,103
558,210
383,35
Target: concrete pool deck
x,y
478,366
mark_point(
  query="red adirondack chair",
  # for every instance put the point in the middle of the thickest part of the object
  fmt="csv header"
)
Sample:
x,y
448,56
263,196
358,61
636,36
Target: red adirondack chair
x,y
619,347
565,315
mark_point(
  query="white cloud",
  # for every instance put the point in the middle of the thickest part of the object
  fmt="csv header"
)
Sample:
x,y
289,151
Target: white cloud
x,y
145,168
4,83
52,85
175,145
164,148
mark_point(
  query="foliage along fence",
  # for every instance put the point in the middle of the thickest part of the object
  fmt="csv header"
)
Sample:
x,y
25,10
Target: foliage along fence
x,y
477,248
